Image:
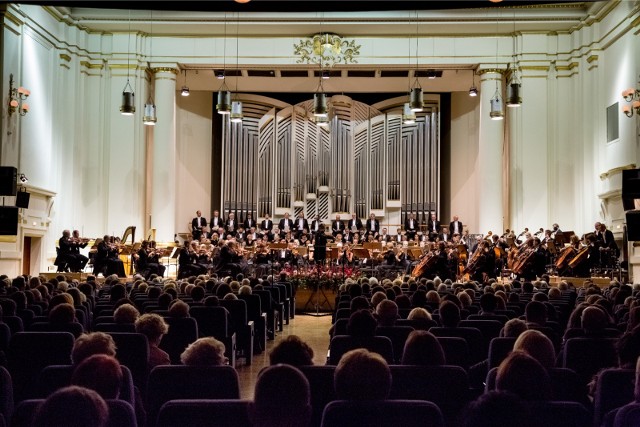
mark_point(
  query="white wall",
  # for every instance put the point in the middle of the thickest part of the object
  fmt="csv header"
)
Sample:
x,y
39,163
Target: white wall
x,y
194,147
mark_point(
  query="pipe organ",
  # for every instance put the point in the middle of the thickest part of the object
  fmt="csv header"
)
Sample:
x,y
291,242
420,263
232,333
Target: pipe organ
x,y
278,159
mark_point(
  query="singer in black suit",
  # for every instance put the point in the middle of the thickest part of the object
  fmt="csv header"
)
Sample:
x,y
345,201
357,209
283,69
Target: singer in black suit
x,y
373,225
301,225
266,224
216,221
231,225
337,226
354,222
315,224
286,223
249,222
455,226
411,226
197,224
433,227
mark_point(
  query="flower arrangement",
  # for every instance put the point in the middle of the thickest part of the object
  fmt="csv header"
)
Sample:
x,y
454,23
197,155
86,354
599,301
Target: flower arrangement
x,y
321,277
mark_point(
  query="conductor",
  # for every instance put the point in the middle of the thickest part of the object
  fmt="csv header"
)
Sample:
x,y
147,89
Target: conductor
x,y
320,246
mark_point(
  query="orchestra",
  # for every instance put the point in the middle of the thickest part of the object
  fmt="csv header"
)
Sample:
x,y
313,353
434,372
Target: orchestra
x,y
422,249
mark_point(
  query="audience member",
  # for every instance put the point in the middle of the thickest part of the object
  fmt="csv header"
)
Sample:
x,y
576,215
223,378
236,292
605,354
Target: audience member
x,y
126,314
87,345
423,348
282,398
72,406
204,352
154,328
537,345
362,375
291,351
100,373
524,376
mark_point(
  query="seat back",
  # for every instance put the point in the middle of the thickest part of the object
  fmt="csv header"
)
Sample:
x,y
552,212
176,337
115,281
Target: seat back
x,y
6,394
446,386
55,377
560,414
565,385
182,332
340,344
212,321
587,356
121,413
30,352
199,412
322,390
499,349
133,352
456,351
406,413
115,327
490,328
628,415
474,338
190,382
398,336
75,328
614,388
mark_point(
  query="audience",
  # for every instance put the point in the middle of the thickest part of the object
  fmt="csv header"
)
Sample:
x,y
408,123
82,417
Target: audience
x,y
87,345
154,328
362,375
100,373
291,351
72,406
422,348
282,398
524,376
204,352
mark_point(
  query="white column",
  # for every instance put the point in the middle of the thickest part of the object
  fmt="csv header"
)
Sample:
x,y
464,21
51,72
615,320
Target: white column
x,y
489,169
163,185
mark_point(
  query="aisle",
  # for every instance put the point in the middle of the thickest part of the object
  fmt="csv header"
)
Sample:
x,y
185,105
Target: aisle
x,y
313,330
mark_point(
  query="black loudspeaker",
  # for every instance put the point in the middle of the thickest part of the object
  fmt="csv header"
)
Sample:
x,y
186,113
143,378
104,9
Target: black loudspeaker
x,y
22,199
8,221
8,180
630,188
633,226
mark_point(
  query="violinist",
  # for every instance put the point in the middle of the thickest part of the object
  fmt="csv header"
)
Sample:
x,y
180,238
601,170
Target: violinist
x,y
442,268
79,261
64,258
185,261
143,264
107,260
347,257
154,259
230,259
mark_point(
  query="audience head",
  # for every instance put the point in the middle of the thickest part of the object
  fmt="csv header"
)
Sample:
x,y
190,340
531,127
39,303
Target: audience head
x,y
359,303
537,345
291,351
204,352
126,314
536,312
513,328
422,348
152,326
87,345
282,398
362,324
179,309
524,376
628,348
419,313
89,409
449,314
498,409
387,313
593,319
488,303
62,314
100,373
362,375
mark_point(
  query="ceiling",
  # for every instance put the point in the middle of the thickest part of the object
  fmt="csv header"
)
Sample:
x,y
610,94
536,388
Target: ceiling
x,y
303,18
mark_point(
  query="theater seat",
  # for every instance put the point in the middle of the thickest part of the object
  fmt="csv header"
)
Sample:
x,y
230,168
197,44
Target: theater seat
x,y
198,412
405,413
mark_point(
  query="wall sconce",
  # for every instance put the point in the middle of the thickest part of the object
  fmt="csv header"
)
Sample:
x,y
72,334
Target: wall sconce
x,y
23,178
633,96
16,96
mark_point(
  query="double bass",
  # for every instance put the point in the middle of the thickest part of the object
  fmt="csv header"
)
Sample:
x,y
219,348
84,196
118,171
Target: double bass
x,y
425,264
566,255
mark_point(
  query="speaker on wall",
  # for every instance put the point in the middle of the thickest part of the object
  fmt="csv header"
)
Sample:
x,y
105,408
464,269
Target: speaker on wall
x,y
631,189
22,199
633,226
8,221
8,180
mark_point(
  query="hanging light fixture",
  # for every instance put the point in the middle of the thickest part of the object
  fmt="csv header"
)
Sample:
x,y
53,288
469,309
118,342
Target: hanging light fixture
x,y
408,116
514,96
416,96
150,117
473,90
224,95
185,89
236,105
128,106
496,112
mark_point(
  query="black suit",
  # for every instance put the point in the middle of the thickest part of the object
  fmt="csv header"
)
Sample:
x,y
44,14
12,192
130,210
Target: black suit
x,y
230,226
373,226
452,227
248,223
300,228
284,222
216,222
354,222
430,227
411,227
196,228
266,225
313,225
337,227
